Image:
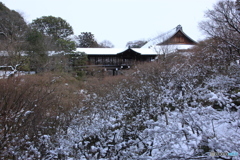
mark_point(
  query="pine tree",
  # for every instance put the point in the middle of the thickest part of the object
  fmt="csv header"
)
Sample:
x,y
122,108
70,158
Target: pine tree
x,y
87,40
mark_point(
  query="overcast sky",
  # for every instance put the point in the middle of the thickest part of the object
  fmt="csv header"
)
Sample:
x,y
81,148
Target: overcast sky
x,y
119,21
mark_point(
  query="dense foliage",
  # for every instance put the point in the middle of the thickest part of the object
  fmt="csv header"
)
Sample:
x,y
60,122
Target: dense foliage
x,y
87,40
53,26
12,34
28,47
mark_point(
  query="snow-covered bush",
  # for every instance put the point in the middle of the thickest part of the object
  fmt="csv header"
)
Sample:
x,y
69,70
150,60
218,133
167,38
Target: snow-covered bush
x,y
180,110
184,113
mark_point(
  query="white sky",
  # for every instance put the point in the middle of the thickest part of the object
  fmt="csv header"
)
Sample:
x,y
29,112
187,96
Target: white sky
x,y
119,21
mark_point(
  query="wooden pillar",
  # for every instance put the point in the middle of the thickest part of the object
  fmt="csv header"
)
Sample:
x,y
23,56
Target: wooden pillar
x,y
113,72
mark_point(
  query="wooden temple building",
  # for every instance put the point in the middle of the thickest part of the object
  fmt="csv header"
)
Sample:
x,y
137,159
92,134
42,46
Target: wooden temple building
x,y
116,59
174,40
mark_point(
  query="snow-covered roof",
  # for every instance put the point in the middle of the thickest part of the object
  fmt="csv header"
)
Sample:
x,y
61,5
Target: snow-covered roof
x,y
162,38
144,51
100,51
159,38
114,51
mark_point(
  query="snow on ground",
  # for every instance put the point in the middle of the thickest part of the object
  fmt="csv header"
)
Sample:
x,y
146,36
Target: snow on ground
x,y
6,74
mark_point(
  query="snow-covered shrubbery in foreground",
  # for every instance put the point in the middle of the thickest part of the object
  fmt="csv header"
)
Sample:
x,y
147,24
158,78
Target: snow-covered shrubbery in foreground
x,y
159,116
180,111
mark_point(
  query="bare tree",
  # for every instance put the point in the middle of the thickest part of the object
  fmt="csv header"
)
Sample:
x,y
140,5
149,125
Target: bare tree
x,y
136,44
238,6
223,25
106,44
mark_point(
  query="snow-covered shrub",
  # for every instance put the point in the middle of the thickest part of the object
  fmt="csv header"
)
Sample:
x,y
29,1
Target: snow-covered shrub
x,y
181,111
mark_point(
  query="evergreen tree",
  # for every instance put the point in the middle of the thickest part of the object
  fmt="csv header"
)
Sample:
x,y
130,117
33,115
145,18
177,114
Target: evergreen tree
x,y
55,27
58,30
13,29
36,50
87,40
12,26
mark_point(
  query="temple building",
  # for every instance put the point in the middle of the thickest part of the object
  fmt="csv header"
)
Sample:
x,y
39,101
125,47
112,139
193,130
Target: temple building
x,y
116,59
171,41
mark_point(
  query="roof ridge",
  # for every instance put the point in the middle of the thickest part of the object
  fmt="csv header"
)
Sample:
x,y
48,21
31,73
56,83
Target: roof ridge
x,y
163,34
